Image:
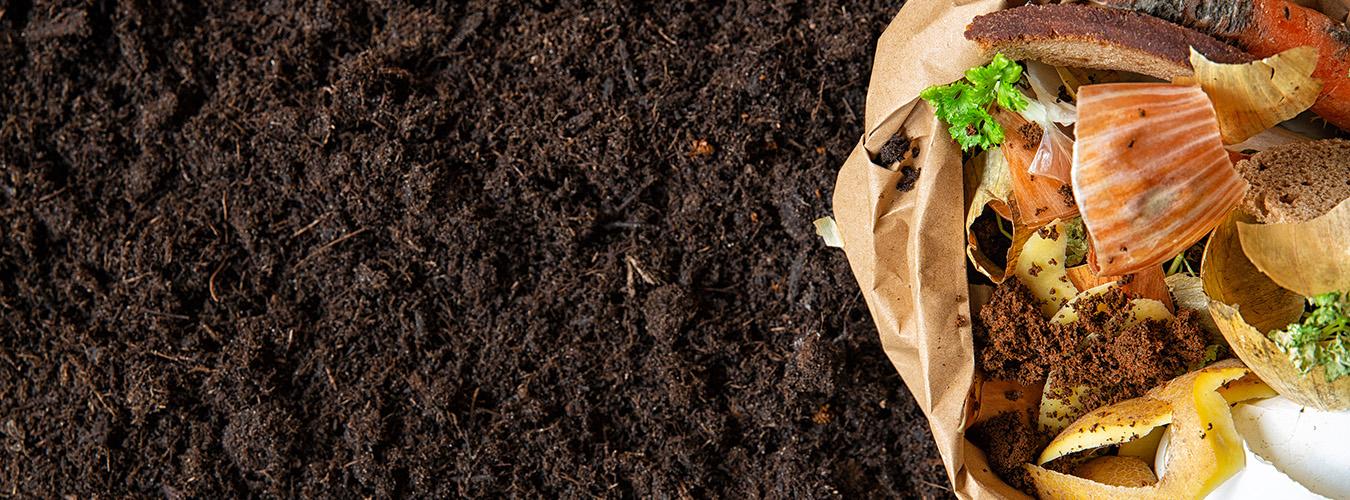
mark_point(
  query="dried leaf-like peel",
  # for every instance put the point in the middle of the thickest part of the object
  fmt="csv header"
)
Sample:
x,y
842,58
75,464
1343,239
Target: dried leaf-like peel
x,y
1270,138
1047,84
1150,174
1229,277
1206,449
1037,199
1274,367
1189,293
1250,98
988,172
1309,258
1040,266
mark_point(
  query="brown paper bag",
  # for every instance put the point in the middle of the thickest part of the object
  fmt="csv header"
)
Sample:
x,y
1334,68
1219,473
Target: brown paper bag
x,y
907,248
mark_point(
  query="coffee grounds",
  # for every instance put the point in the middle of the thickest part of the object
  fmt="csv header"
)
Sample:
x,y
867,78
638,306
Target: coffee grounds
x,y
1014,341
1009,440
1012,337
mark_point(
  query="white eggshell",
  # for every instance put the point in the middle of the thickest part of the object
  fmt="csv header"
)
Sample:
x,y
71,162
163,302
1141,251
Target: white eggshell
x,y
1292,453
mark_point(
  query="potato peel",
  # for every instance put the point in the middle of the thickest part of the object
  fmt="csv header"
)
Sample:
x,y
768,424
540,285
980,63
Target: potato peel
x,y
1056,413
1309,258
1253,97
1115,424
1118,471
1206,449
1273,366
1040,266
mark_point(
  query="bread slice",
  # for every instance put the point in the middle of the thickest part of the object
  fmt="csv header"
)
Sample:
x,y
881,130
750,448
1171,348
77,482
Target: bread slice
x,y
1093,37
1297,182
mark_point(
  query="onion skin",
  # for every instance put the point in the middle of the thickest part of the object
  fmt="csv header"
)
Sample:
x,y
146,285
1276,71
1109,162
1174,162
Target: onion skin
x,y
1037,199
1150,174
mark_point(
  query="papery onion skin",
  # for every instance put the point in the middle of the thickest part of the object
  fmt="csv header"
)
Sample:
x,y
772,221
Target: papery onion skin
x,y
1038,199
1054,156
1150,174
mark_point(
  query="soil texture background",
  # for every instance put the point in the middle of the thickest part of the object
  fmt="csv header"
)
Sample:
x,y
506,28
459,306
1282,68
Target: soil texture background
x,y
438,249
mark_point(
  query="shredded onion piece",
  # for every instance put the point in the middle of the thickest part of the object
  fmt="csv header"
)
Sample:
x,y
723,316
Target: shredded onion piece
x,y
1045,81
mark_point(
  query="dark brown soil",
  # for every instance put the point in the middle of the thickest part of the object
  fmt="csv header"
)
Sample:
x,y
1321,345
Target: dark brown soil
x,y
341,249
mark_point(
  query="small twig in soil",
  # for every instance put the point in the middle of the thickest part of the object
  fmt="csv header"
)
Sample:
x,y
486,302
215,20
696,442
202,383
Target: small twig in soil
x,y
211,283
169,357
309,226
330,244
646,278
47,197
820,99
626,225
935,485
166,315
330,378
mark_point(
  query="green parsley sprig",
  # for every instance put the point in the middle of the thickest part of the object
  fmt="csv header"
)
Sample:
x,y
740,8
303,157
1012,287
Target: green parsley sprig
x,y
966,105
1322,338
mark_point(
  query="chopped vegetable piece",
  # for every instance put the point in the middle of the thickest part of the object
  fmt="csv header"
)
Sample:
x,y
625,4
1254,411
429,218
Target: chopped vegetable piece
x,y
1076,252
829,231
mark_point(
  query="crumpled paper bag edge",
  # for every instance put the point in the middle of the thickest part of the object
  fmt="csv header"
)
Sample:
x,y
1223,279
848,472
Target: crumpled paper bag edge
x,y
904,247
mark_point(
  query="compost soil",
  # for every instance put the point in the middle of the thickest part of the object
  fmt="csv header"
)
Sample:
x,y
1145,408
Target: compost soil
x,y
350,249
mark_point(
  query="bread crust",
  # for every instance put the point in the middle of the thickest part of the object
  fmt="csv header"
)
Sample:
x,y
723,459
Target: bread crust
x,y
1099,38
1296,182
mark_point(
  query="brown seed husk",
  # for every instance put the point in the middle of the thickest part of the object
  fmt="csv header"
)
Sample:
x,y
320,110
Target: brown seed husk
x,y
1309,258
1231,278
1264,358
1250,98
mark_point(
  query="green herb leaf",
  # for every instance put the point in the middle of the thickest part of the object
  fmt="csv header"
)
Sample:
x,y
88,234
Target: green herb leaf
x,y
965,105
1322,339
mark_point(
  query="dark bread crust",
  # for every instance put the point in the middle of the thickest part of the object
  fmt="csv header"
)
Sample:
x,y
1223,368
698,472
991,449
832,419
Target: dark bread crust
x,y
1297,182
1100,38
